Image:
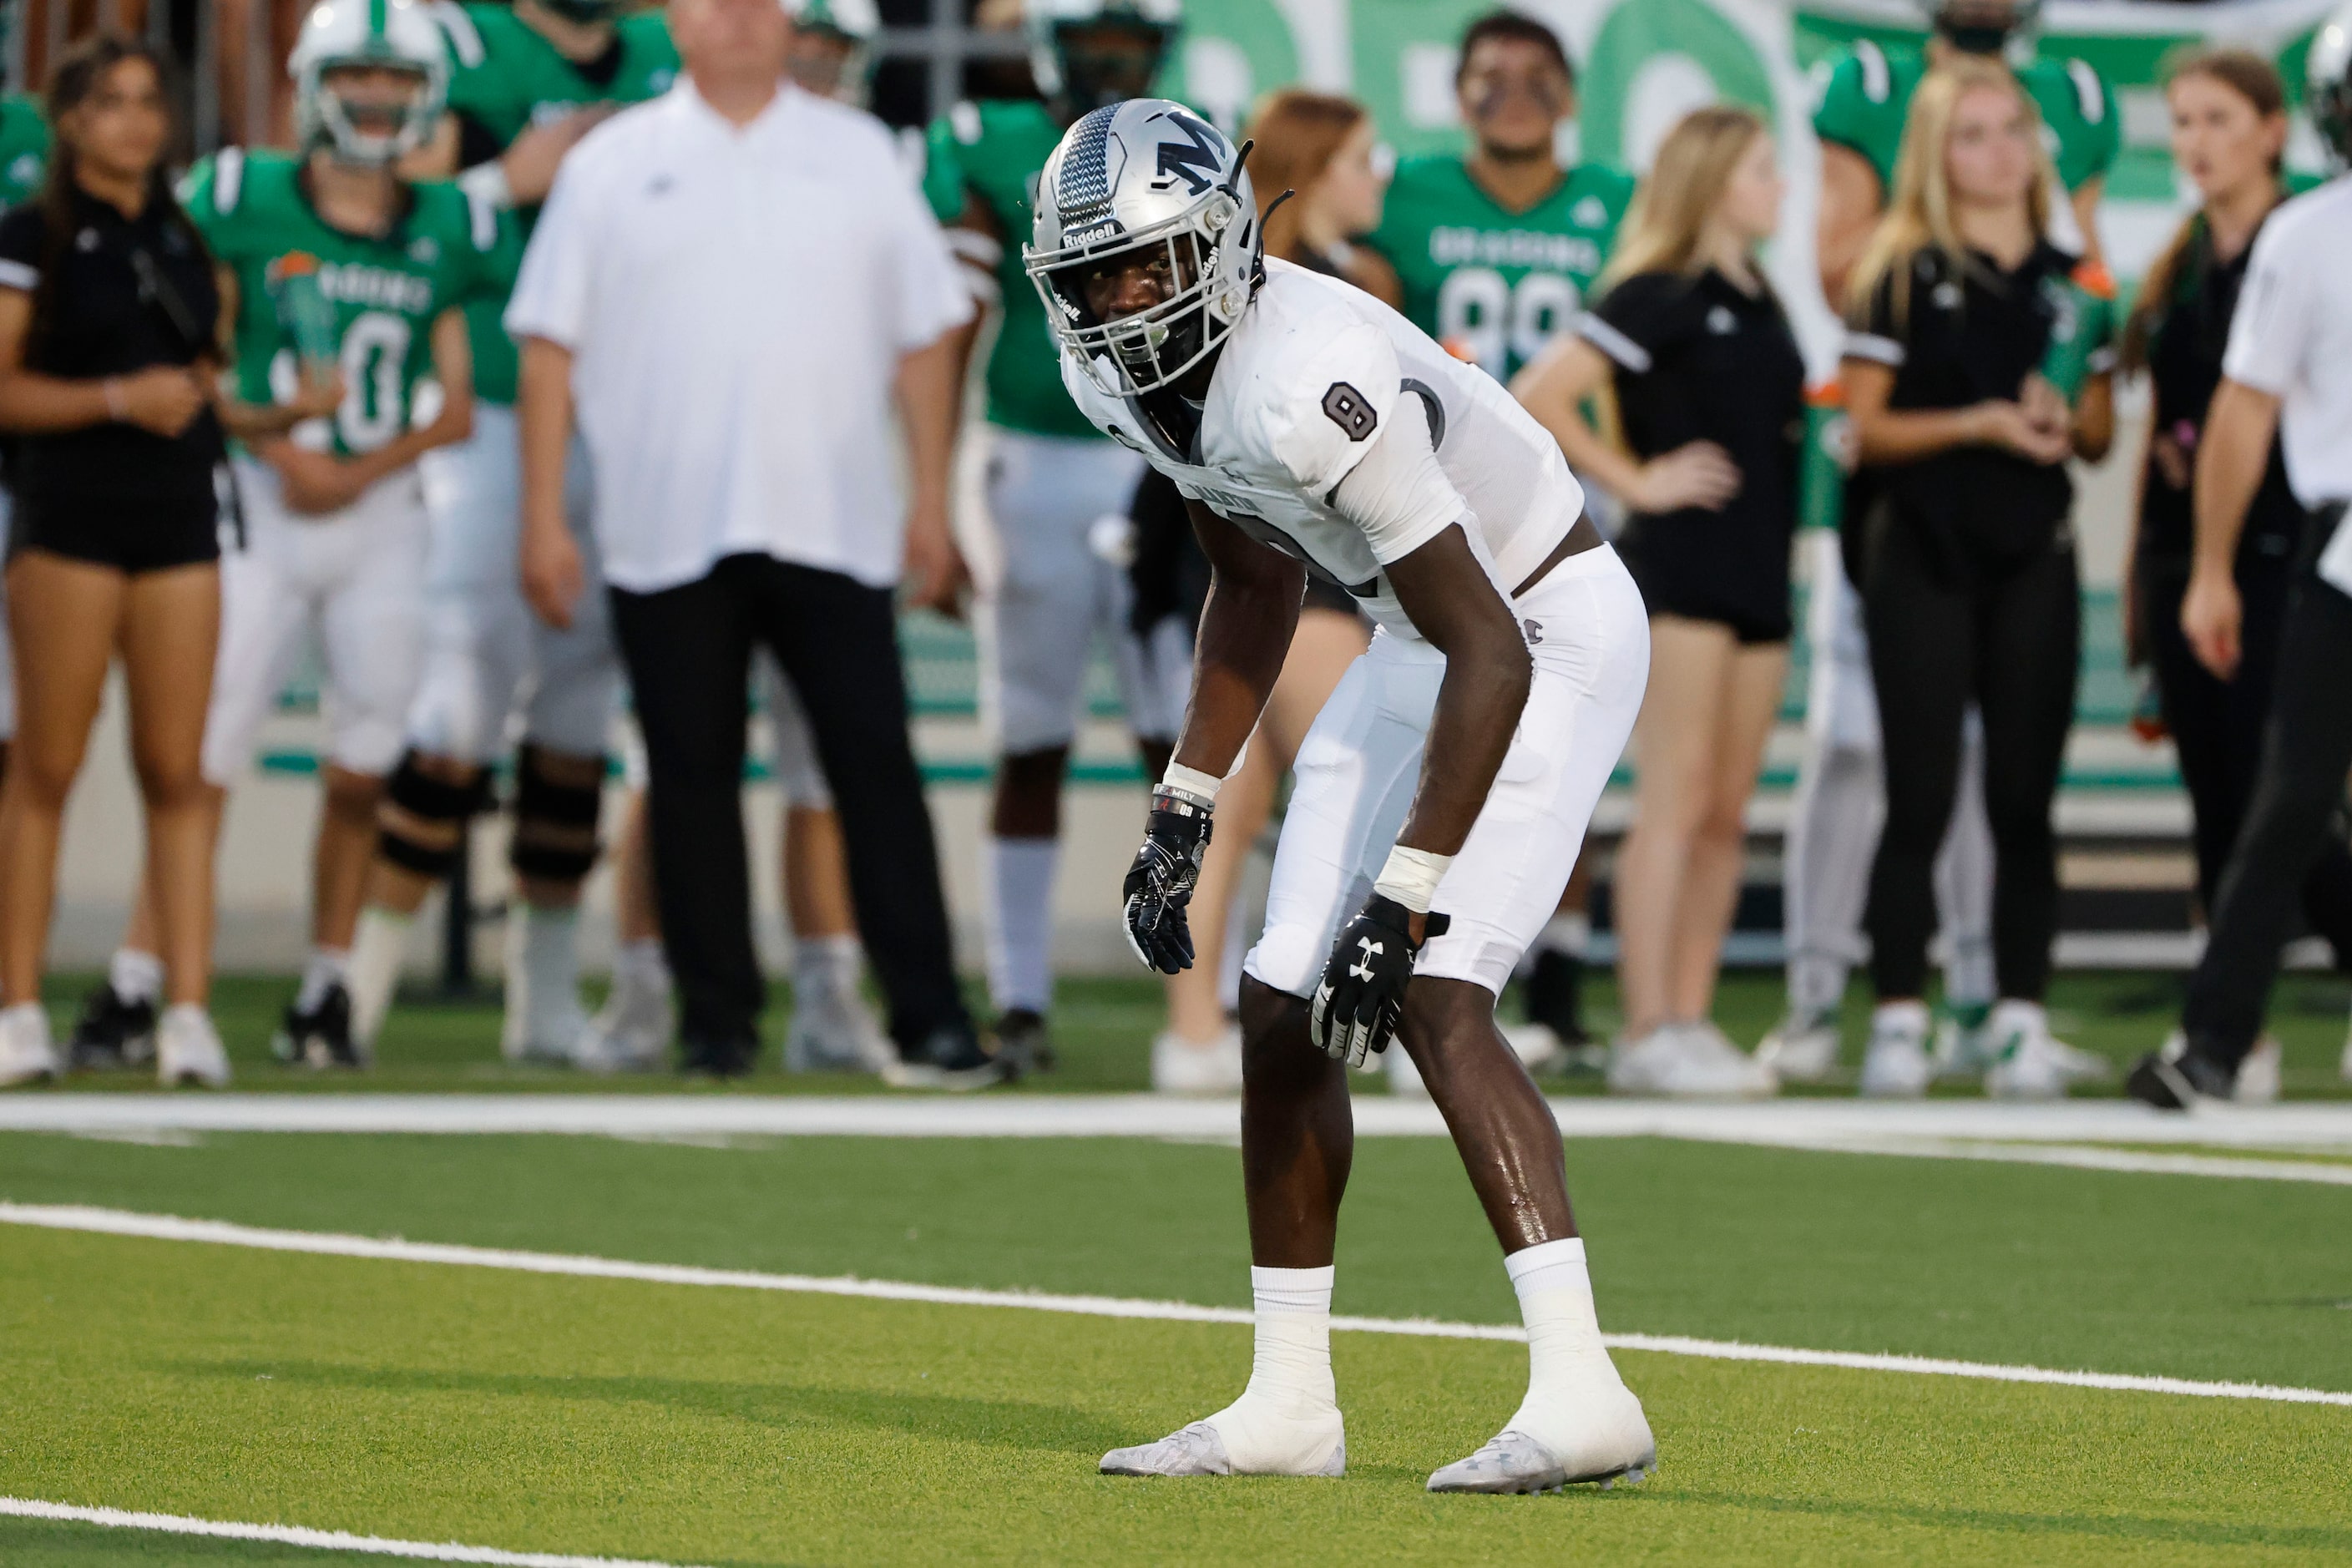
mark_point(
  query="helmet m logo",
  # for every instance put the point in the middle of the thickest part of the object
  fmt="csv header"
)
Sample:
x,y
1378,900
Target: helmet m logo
x,y
1193,162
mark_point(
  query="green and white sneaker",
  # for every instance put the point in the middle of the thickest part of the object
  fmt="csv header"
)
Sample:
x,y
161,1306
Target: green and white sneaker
x,y
1896,1063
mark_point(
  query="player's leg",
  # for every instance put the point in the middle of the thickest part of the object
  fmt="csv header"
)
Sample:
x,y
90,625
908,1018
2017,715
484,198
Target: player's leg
x,y
477,650
1035,615
832,1028
1355,775
1578,1421
574,693
1834,826
371,627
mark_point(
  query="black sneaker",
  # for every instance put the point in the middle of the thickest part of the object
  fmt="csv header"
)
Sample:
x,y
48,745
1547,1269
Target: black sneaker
x,y
717,1059
953,1060
112,1033
2177,1078
321,1037
1023,1044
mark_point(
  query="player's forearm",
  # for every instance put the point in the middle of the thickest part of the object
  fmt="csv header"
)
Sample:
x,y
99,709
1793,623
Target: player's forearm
x,y
543,419
452,425
1478,707
251,421
1245,636
2231,456
929,389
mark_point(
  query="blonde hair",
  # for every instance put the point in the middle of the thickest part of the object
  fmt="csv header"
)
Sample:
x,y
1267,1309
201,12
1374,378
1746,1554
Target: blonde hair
x,y
1686,183
1920,216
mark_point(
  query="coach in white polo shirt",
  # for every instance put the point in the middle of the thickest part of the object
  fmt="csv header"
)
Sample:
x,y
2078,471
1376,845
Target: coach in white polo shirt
x,y
731,286
2288,371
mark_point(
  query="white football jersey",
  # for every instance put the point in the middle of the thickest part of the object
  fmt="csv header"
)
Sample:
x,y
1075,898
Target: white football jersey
x,y
1311,377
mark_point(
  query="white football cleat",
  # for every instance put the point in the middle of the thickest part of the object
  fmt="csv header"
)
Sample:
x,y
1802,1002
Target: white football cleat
x,y
2028,1062
1896,1063
1198,1450
1616,1446
27,1055
188,1049
1197,1067
2258,1074
1802,1047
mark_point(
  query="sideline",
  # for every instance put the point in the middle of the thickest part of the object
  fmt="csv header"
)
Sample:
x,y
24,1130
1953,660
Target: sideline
x,y
167,1227
296,1535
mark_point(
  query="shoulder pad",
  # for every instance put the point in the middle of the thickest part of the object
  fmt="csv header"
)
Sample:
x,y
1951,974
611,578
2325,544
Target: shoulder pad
x,y
1877,76
2090,92
1317,412
228,179
964,120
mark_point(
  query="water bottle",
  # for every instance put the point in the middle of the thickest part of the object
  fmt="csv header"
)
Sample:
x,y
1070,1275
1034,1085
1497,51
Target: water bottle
x,y
305,314
2081,328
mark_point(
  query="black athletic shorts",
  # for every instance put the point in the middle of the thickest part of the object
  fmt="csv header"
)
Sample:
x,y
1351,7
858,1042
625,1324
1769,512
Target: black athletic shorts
x,y
129,533
1699,579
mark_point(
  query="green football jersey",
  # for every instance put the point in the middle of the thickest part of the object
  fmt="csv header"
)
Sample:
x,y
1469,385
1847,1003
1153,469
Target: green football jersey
x,y
384,294
23,147
1494,286
1868,95
506,77
992,152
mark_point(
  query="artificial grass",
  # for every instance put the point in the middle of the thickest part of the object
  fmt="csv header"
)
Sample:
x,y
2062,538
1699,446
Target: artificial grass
x,y
1103,1030
2055,1267
732,1427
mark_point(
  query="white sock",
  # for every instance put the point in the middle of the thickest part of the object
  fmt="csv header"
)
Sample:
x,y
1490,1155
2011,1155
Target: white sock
x,y
328,968
1570,931
135,976
1289,1416
642,965
548,955
377,949
1019,920
1568,1365
827,966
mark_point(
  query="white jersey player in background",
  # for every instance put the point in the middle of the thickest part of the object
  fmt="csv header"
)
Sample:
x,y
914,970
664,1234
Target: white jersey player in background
x,y
1442,794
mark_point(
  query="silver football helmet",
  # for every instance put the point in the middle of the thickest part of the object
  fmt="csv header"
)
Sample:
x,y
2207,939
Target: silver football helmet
x,y
1145,181
400,34
2329,73
1076,77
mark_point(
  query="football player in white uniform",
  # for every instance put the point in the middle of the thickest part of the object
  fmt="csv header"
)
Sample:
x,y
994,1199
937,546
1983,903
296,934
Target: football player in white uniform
x,y
1442,794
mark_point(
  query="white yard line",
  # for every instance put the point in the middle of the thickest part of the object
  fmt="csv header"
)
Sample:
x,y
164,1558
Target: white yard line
x,y
1799,1122
296,1535
168,1227
2083,1157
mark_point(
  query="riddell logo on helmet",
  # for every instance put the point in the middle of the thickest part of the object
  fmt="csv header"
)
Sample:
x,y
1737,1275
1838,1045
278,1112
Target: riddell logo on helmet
x,y
1107,229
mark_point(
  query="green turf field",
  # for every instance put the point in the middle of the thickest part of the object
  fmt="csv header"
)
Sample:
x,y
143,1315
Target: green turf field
x,y
1104,1028
685,1424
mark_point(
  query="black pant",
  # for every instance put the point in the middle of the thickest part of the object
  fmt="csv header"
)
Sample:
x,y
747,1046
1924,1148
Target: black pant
x,y
2306,752
2005,635
2217,728
688,651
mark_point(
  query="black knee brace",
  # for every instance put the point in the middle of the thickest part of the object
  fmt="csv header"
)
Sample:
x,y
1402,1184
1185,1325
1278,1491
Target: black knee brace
x,y
557,801
422,810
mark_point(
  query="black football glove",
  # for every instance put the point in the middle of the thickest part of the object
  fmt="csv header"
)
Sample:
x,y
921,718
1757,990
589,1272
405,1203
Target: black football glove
x,y
1159,884
1362,996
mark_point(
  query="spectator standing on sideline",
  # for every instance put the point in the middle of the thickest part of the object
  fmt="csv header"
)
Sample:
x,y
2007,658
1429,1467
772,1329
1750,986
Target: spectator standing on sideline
x,y
24,161
1840,799
1976,368
2288,371
1497,249
1710,390
1322,148
2228,134
733,358
109,329
1046,481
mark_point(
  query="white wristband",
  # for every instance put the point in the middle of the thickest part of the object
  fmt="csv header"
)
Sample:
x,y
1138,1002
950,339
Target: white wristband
x,y
486,183
1411,878
1192,782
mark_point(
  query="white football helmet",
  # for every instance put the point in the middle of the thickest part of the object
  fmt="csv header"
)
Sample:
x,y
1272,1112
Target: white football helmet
x,y
1079,82
399,34
2329,74
1128,183
856,20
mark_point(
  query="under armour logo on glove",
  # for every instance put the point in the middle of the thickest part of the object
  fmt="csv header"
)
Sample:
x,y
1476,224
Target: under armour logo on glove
x,y
1357,1007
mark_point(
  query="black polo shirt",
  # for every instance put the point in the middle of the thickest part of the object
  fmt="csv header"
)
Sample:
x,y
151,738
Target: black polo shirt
x,y
1968,333
2186,342
130,293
